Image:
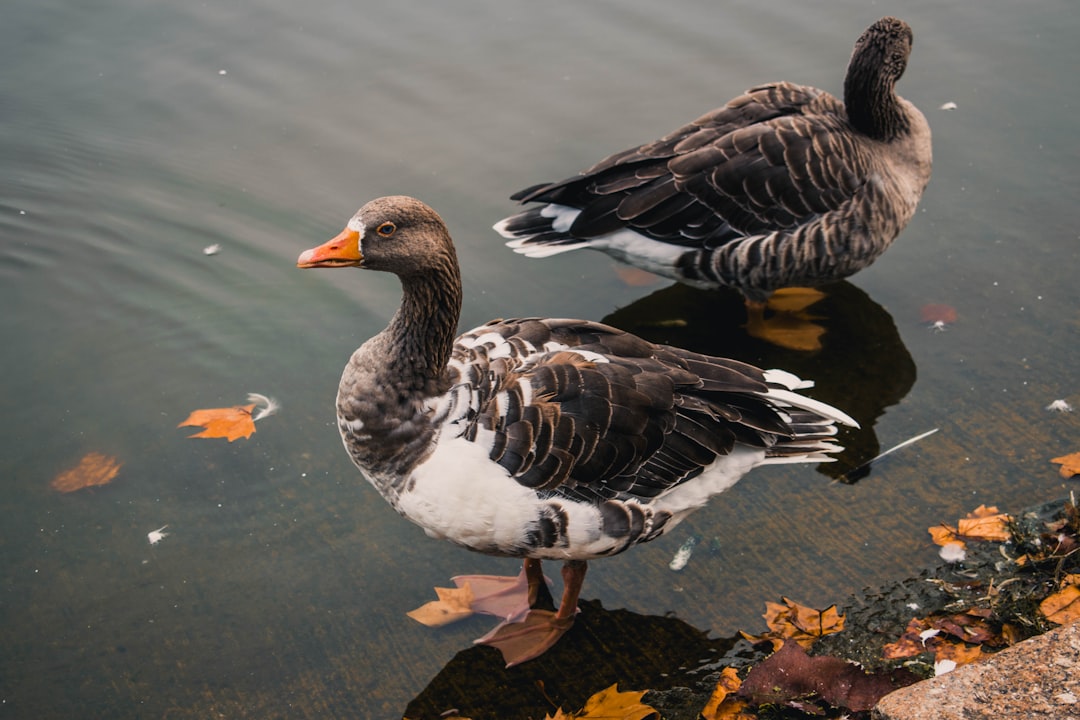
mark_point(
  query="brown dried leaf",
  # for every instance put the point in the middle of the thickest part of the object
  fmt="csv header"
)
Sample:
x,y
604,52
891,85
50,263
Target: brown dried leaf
x,y
944,535
94,469
230,423
958,637
1063,606
791,677
985,523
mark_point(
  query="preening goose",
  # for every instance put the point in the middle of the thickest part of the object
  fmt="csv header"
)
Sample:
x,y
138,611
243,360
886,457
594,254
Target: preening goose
x,y
543,438
784,186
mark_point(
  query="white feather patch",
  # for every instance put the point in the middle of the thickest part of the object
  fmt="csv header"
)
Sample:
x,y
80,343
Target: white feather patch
x,y
789,380
794,399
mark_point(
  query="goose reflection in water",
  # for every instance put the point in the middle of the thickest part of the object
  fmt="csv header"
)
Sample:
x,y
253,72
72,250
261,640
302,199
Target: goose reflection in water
x,y
607,647
861,365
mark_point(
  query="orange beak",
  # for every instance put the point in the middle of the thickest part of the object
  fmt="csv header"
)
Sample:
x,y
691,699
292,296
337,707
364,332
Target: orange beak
x,y
342,251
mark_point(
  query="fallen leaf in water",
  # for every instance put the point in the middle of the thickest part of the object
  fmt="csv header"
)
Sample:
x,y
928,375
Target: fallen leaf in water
x,y
234,422
985,523
230,423
982,523
453,604
944,535
938,313
93,469
635,277
1070,464
610,704
1063,606
791,677
804,625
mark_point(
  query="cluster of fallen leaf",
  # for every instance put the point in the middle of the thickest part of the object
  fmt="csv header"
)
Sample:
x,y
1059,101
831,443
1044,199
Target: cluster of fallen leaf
x,y
979,616
231,423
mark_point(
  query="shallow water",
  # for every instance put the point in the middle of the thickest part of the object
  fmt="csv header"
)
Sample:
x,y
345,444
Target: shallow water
x,y
134,135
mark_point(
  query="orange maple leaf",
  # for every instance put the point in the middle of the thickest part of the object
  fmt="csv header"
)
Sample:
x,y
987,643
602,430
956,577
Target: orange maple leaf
x,y
231,423
453,604
93,469
802,624
1070,464
610,704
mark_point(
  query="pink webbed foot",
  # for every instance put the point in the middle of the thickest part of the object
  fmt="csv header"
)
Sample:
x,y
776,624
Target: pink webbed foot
x,y
509,598
538,630
528,638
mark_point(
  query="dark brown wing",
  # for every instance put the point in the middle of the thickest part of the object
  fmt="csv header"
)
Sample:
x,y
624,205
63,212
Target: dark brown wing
x,y
588,411
770,159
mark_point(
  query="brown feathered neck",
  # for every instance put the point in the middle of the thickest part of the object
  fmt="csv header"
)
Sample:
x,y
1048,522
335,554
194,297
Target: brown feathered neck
x,y
879,59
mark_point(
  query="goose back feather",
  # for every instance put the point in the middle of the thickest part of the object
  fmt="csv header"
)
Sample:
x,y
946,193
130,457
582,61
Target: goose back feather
x,y
785,185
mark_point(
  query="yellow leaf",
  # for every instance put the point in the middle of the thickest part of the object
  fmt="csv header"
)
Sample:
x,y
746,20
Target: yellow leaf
x,y
959,652
453,604
1063,606
93,469
983,523
797,622
944,535
610,704
722,704
230,423
986,527
1070,464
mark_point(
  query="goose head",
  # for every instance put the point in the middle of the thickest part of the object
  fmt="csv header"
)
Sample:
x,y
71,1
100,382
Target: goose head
x,y
396,234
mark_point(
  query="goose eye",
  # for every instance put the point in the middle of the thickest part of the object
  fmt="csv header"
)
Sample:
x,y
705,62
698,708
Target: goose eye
x,y
386,229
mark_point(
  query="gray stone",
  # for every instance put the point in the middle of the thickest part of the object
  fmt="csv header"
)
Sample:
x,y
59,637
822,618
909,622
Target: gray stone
x,y
1032,680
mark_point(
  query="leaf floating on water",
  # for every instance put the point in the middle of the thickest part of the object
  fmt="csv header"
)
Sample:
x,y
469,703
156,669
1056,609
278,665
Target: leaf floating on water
x,y
792,621
635,277
938,313
231,423
1070,464
93,469
982,523
985,523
